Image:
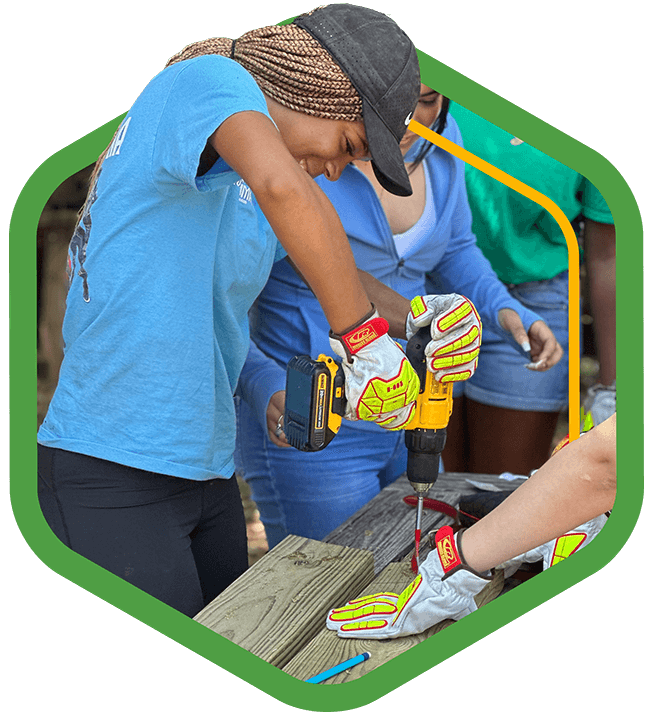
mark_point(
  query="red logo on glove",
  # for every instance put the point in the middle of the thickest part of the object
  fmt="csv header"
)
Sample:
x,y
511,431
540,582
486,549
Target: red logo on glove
x,y
449,557
366,334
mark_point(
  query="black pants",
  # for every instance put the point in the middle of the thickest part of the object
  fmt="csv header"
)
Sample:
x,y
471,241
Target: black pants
x,y
182,541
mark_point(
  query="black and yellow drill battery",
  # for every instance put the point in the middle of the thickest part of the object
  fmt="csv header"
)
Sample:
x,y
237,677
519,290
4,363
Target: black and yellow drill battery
x,y
315,402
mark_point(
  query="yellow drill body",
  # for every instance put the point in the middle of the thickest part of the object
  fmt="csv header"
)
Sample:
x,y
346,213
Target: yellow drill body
x,y
426,433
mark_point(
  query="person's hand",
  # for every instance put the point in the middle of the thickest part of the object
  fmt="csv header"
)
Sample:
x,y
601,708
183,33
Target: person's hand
x,y
558,549
540,342
444,588
380,384
275,419
456,334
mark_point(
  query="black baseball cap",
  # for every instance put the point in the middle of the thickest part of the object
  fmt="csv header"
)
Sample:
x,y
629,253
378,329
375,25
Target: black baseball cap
x,y
382,65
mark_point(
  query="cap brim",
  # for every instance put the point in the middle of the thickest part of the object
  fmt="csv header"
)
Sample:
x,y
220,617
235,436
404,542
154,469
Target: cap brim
x,y
387,159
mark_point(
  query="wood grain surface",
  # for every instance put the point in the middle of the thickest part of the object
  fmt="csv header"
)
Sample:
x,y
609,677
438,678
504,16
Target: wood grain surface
x,y
280,603
327,649
386,525
277,609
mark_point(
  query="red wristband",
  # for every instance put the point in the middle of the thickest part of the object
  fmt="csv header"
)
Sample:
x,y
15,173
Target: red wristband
x,y
364,335
447,551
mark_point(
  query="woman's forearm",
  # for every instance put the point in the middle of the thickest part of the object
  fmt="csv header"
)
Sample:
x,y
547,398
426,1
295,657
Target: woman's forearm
x,y
316,243
577,484
390,304
299,213
600,253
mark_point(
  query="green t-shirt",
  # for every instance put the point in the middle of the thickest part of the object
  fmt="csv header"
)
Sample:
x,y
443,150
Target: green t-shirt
x,y
521,240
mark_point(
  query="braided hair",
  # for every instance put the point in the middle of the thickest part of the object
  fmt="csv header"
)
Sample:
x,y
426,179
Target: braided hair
x,y
289,65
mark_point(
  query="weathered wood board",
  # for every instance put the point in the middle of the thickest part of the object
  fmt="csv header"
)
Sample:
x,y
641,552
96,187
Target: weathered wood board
x,y
278,607
281,602
385,526
327,649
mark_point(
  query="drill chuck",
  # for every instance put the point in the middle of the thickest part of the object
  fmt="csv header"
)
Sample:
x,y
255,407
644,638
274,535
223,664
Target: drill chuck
x,y
423,461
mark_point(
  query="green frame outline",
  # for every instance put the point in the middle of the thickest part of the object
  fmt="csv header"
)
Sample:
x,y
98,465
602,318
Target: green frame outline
x,y
341,697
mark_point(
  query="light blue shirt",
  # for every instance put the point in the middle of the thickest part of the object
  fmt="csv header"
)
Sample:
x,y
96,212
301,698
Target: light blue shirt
x,y
165,267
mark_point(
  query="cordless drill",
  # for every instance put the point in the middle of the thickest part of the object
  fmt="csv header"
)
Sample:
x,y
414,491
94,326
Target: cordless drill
x,y
315,402
426,433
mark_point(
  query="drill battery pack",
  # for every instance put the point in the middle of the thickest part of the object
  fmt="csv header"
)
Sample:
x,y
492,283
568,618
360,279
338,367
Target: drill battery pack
x,y
315,402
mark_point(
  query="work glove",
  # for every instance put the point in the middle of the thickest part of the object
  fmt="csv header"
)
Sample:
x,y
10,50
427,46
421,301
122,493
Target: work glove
x,y
380,383
558,549
456,334
444,588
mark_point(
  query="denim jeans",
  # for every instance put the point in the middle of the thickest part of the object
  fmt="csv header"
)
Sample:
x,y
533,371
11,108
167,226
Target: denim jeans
x,y
309,494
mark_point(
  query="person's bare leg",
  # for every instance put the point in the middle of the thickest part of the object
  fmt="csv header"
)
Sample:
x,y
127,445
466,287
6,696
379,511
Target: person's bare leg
x,y
505,440
456,453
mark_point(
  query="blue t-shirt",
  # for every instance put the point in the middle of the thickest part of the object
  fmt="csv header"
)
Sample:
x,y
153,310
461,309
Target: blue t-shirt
x,y
164,267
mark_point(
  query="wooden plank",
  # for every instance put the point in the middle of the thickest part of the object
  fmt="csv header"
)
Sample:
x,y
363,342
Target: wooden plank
x,y
281,602
327,649
385,526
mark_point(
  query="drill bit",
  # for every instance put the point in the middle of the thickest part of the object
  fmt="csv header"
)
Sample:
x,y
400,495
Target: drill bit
x,y
421,492
415,561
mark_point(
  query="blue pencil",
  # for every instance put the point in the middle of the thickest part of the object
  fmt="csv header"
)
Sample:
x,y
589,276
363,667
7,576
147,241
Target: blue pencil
x,y
338,669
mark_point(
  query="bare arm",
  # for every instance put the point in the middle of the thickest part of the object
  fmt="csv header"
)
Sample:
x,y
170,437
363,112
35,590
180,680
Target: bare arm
x,y
300,214
390,304
577,484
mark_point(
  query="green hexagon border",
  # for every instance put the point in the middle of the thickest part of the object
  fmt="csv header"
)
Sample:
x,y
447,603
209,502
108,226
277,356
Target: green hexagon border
x,y
22,310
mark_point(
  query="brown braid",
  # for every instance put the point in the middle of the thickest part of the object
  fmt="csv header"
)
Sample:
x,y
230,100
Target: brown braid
x,y
289,65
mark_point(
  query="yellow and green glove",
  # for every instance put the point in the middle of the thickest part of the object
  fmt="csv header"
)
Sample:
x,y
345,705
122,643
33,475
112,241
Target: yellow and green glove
x,y
456,334
444,588
380,383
